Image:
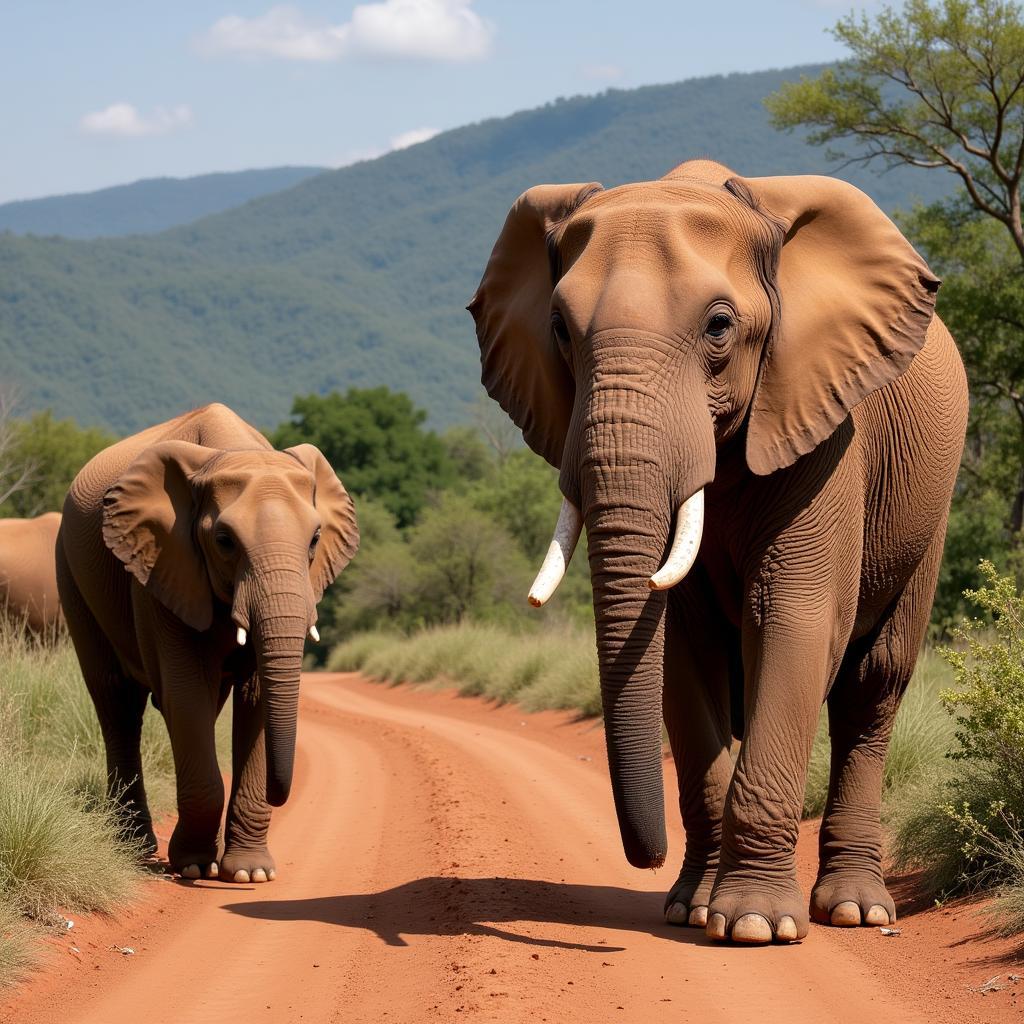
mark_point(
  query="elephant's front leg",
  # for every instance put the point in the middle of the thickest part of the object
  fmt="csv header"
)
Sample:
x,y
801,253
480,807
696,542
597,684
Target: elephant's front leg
x,y
246,857
788,659
697,718
190,709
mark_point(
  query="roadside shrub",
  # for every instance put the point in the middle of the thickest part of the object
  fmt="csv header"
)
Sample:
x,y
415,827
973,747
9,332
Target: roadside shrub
x,y
966,828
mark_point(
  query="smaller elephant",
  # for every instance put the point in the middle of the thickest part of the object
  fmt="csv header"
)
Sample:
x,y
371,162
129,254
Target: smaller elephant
x,y
28,577
178,545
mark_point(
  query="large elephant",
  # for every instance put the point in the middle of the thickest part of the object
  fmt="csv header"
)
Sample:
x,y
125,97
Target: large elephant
x,y
756,361
190,561
28,579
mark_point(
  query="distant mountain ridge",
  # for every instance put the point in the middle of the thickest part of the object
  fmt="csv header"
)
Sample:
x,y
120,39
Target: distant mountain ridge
x,y
146,206
358,276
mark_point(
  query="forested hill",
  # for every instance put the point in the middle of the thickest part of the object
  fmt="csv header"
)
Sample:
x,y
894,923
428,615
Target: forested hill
x,y
357,276
147,206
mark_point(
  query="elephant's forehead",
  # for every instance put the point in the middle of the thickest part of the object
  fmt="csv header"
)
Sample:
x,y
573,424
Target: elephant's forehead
x,y
259,473
665,220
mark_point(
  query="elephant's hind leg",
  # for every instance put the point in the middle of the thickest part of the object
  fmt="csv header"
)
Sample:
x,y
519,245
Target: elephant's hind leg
x,y
246,857
696,707
120,703
862,706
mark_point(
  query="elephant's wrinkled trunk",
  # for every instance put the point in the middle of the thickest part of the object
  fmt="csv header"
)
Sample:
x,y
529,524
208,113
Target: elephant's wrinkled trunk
x,y
279,614
625,548
632,481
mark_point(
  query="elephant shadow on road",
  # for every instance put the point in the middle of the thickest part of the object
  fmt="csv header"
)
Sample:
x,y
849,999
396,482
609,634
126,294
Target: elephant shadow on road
x,y
472,906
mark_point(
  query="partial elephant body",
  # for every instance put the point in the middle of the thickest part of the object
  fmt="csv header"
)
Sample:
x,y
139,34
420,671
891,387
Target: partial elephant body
x,y
28,578
766,346
190,560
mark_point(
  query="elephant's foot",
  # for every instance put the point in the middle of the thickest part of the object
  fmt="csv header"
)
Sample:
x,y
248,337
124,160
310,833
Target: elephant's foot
x,y
756,908
247,865
687,901
193,856
847,897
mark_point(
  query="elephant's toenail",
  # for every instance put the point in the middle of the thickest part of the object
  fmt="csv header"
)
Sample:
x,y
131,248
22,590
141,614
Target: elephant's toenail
x,y
752,928
211,871
191,871
241,875
846,915
698,917
786,931
676,913
877,916
716,927
259,875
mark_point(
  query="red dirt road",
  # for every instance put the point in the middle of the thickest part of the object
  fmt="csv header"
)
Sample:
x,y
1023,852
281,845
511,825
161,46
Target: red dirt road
x,y
443,860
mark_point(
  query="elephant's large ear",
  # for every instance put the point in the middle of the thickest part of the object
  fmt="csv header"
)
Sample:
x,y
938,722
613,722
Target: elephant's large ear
x,y
339,533
148,524
856,301
522,368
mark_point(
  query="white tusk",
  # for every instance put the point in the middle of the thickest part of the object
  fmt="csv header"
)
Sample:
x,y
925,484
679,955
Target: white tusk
x,y
314,635
567,533
685,544
241,635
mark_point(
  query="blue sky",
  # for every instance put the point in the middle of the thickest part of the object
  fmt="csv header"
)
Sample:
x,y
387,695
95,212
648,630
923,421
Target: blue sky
x,y
102,93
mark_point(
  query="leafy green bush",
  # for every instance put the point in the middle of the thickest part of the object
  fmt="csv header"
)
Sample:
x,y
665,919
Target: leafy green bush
x,y
964,828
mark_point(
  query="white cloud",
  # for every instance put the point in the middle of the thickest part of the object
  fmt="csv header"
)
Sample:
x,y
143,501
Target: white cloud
x,y
424,29
124,120
412,138
603,72
401,141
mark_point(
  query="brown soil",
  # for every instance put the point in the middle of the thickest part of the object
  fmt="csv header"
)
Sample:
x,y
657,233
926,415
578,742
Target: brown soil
x,y
441,859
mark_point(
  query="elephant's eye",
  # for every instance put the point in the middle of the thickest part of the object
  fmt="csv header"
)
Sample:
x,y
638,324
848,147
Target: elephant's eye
x,y
224,541
718,325
561,333
313,543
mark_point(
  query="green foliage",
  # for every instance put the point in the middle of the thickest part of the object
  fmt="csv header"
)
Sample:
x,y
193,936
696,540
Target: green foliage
x,y
467,563
934,85
988,703
356,277
965,828
376,438
554,668
53,451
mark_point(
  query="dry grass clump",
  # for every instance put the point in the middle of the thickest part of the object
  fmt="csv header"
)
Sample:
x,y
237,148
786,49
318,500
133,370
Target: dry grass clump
x,y
555,669
61,847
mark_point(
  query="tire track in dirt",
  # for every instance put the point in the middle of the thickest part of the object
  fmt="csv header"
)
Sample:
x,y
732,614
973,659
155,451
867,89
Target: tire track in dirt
x,y
439,864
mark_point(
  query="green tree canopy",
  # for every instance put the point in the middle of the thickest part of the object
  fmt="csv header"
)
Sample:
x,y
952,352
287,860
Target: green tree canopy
x,y
51,451
375,440
936,85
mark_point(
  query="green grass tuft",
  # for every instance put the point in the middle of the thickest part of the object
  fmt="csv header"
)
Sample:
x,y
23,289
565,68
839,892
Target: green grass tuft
x,y
61,849
556,669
